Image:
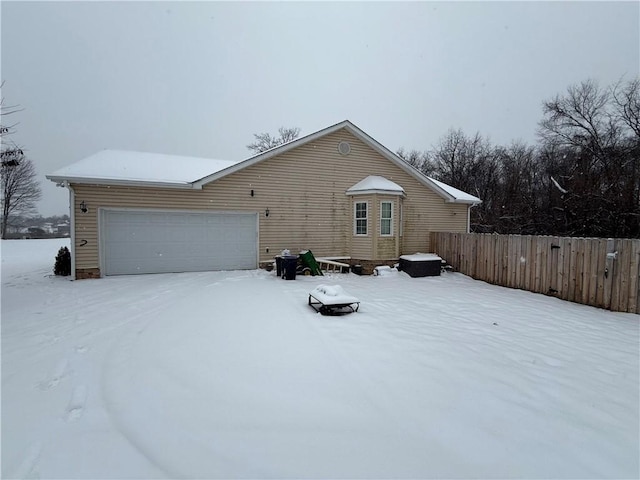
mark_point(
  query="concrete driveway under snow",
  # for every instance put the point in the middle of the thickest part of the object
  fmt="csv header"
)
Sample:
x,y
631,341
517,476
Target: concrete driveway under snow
x,y
233,375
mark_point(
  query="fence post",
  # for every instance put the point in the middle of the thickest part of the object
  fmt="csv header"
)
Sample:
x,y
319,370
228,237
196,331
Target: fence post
x,y
600,275
623,272
634,283
609,268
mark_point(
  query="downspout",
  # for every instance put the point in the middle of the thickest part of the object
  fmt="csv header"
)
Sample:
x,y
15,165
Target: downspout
x,y
72,227
469,216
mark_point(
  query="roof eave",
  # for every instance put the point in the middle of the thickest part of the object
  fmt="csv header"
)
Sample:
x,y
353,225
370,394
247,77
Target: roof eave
x,y
120,182
465,202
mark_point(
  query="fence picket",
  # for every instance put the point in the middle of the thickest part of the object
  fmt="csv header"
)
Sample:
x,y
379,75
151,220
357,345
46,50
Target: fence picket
x,y
592,273
579,243
600,275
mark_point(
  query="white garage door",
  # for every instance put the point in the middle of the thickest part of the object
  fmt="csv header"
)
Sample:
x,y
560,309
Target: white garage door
x,y
161,242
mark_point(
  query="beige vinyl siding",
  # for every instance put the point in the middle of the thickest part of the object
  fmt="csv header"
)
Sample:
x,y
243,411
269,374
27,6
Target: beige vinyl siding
x,y
362,245
386,248
304,190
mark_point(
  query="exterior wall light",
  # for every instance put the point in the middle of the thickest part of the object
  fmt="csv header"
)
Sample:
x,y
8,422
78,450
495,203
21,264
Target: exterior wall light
x,y
83,207
266,212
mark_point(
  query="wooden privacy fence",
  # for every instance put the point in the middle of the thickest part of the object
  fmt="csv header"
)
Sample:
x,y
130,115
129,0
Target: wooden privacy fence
x,y
594,271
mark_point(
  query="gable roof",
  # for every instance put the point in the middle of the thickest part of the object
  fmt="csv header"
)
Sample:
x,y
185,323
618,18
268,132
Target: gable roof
x,y
190,172
449,194
120,167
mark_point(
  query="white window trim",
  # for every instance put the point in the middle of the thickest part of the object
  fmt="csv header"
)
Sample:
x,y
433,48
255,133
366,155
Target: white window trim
x,y
355,219
390,234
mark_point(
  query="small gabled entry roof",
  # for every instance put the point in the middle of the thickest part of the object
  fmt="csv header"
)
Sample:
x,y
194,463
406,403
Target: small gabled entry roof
x,y
375,184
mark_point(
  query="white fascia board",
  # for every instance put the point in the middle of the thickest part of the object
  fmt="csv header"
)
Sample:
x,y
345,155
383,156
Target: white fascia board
x,y
119,182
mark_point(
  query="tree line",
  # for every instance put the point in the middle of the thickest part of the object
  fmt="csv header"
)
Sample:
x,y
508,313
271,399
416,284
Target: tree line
x,y
582,178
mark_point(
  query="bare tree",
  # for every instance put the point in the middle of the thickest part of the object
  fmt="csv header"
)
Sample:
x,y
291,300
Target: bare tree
x,y
516,203
20,187
591,155
264,141
461,160
580,118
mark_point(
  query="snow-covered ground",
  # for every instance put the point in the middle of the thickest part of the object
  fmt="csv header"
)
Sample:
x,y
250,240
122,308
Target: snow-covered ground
x,y
233,375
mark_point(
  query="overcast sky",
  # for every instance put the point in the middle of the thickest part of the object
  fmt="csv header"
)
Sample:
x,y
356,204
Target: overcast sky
x,y
198,79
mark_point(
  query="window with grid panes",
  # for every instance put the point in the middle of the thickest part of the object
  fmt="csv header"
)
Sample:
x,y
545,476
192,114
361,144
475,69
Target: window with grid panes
x,y
361,218
386,218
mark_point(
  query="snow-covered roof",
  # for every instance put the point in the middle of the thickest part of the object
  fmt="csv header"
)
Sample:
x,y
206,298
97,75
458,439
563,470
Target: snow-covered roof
x,y
375,184
115,167
120,166
458,195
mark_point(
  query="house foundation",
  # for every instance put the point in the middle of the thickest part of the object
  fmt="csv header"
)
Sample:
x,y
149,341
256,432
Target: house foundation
x,y
85,273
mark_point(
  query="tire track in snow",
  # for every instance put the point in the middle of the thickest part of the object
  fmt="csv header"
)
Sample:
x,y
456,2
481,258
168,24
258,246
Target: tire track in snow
x,y
115,368
374,389
204,459
370,388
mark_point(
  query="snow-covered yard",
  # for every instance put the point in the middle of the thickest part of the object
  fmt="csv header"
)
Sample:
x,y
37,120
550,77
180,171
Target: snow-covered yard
x,y
233,375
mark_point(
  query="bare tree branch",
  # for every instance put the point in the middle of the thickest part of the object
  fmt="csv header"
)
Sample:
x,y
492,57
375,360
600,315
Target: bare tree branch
x,y
626,99
264,141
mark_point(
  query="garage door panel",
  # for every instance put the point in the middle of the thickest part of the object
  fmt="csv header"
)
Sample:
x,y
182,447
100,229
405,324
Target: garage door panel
x,y
163,242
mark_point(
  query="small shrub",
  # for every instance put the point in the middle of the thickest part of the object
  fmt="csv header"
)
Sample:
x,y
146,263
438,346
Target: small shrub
x,y
63,262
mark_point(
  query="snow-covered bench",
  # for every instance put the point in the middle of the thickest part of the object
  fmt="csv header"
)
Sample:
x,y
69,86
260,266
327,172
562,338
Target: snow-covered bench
x,y
332,300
